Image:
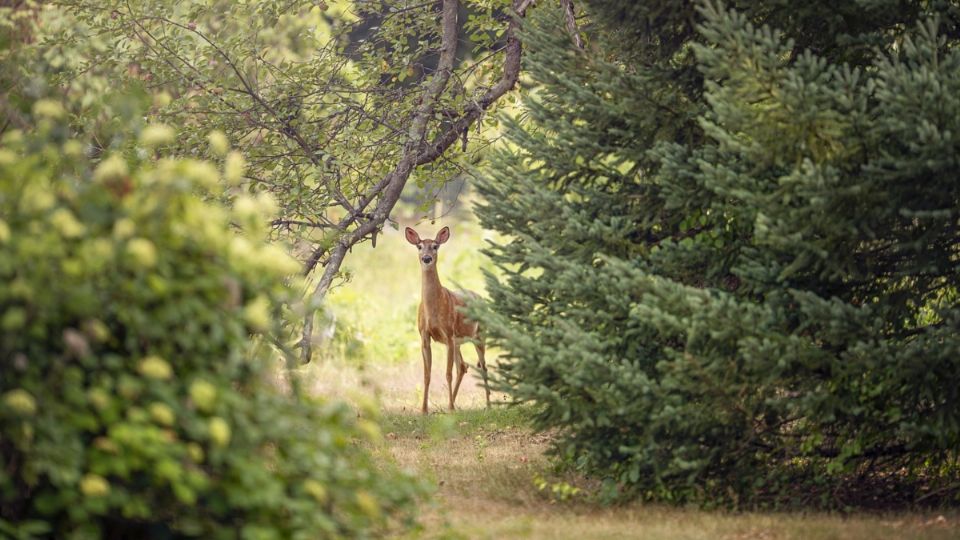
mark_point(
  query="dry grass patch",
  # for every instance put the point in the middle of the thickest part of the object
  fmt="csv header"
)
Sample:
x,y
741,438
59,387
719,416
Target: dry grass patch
x,y
488,469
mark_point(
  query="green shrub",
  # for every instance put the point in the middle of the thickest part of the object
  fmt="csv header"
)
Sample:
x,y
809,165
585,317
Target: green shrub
x,y
139,332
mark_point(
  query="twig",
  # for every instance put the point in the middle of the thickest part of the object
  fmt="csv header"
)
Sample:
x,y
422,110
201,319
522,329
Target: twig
x,y
568,14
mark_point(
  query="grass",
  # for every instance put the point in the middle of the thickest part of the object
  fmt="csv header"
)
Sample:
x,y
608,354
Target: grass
x,y
462,422
494,481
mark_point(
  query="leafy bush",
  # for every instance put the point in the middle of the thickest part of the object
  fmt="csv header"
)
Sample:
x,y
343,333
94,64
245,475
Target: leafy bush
x,y
138,332
734,267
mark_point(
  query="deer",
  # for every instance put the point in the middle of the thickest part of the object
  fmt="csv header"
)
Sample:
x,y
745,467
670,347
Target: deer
x,y
441,319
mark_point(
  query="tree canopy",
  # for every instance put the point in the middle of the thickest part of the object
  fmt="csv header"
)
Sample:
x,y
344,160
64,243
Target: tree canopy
x,y
335,106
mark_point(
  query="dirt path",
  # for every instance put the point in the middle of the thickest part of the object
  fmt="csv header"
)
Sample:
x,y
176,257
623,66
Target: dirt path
x,y
493,481
398,387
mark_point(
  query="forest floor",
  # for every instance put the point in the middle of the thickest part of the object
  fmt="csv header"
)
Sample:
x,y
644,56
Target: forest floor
x,y
493,480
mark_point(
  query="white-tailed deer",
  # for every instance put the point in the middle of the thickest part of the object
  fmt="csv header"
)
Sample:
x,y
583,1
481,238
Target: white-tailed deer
x,y
439,318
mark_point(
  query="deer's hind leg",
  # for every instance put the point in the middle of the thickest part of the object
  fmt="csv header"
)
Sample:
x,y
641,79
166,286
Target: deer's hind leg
x,y
482,362
461,371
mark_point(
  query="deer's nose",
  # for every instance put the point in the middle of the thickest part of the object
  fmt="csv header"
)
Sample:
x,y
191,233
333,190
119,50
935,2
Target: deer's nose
x,y
427,259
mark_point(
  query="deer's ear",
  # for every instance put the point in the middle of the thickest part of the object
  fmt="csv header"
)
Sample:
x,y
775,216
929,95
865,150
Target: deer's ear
x,y
411,235
443,235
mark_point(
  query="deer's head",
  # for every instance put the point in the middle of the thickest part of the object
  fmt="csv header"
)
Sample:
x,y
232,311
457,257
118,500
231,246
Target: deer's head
x,y
427,249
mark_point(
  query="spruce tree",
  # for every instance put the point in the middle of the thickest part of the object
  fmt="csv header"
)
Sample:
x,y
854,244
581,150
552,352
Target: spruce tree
x,y
732,255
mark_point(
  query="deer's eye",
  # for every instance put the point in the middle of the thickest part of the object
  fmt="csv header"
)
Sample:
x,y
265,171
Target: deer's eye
x,y
434,248
419,246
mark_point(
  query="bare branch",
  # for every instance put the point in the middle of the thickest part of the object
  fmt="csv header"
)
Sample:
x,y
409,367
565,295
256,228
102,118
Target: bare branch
x,y
335,260
288,222
568,14
511,73
11,115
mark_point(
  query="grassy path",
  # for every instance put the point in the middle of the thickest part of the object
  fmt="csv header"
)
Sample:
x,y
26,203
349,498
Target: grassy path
x,y
487,464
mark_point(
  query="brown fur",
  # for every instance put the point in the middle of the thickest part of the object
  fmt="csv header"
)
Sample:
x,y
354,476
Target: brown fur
x,y
440,318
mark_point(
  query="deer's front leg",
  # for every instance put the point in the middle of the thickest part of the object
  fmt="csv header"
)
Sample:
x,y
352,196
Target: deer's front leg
x,y
427,362
451,354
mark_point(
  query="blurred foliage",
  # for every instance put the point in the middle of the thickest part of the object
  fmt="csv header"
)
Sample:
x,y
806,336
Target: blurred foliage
x,y
140,331
732,269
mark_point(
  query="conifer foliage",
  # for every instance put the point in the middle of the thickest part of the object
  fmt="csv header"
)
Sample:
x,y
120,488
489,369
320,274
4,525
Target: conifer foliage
x,y
732,263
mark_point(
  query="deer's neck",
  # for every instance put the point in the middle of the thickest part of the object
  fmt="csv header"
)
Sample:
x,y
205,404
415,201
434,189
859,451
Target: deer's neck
x,y
431,291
